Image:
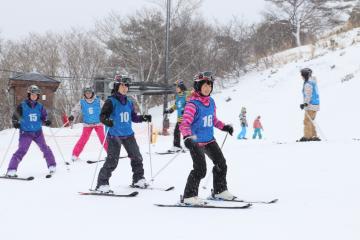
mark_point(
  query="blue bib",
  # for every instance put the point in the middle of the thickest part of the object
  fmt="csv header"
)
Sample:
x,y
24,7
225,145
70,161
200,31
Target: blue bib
x,y
203,124
315,100
121,116
31,117
91,111
180,102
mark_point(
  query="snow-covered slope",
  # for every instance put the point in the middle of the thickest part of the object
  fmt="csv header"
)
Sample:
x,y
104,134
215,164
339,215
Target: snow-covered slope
x,y
316,182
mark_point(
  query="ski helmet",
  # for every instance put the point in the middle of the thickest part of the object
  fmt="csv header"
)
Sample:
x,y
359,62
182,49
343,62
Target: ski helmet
x,y
202,78
90,90
118,79
180,83
33,89
306,73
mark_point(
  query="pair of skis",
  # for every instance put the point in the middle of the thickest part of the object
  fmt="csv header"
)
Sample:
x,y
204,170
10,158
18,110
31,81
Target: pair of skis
x,y
245,204
49,175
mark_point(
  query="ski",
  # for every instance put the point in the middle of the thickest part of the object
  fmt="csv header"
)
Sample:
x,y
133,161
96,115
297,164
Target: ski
x,y
133,194
170,152
245,206
49,175
243,201
102,160
19,178
154,188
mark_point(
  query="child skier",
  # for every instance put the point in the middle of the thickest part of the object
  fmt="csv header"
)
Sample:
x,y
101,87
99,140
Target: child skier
x,y
243,123
90,107
29,117
197,128
257,128
118,113
180,101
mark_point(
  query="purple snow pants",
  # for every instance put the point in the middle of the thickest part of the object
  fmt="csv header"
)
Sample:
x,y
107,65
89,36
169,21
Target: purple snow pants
x,y
25,140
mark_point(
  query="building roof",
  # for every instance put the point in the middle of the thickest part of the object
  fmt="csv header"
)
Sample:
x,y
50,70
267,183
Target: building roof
x,y
34,76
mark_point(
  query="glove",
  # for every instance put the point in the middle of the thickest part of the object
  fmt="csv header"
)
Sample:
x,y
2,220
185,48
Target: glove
x,y
16,124
146,118
47,123
189,142
303,105
108,122
71,118
169,111
228,128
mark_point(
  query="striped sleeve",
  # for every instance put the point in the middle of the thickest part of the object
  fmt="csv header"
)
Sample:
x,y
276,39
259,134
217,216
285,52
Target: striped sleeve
x,y
188,118
217,123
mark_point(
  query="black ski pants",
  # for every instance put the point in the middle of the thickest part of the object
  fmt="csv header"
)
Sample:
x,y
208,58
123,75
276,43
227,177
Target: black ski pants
x,y
213,151
112,159
177,135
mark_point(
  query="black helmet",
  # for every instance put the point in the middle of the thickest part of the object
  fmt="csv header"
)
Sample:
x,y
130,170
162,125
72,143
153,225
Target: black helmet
x,y
90,90
33,89
201,78
118,79
306,73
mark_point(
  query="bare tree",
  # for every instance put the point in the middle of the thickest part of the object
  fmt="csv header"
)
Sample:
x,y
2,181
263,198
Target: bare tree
x,y
302,15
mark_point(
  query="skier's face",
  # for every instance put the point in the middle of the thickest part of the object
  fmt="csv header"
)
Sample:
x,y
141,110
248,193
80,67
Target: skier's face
x,y
33,96
123,89
178,90
88,95
206,88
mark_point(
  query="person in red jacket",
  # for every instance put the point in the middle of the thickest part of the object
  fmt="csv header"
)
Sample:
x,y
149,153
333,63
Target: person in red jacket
x,y
257,128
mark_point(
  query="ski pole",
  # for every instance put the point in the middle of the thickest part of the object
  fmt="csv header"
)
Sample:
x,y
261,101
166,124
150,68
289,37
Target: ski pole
x,y
98,159
165,166
209,175
150,136
61,128
8,148
314,123
58,147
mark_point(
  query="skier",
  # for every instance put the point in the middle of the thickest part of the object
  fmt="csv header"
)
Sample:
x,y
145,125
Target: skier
x,y
243,123
257,128
181,97
197,128
90,107
311,105
117,114
29,117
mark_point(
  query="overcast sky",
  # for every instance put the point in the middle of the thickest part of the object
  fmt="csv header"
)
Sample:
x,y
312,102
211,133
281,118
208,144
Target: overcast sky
x,y
19,17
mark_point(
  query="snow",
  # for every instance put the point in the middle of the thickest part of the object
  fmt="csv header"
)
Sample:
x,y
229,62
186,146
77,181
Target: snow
x,y
316,182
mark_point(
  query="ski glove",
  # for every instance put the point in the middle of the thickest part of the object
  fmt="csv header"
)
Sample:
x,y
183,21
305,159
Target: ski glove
x,y
16,124
303,105
228,128
108,122
189,142
146,118
169,111
47,123
71,118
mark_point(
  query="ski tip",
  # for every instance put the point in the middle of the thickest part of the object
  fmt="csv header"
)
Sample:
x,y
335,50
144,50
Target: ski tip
x,y
170,188
30,178
133,194
274,201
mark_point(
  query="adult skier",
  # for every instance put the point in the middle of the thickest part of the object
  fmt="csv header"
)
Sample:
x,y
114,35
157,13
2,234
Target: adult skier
x,y
311,105
118,114
180,100
29,117
197,127
89,107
